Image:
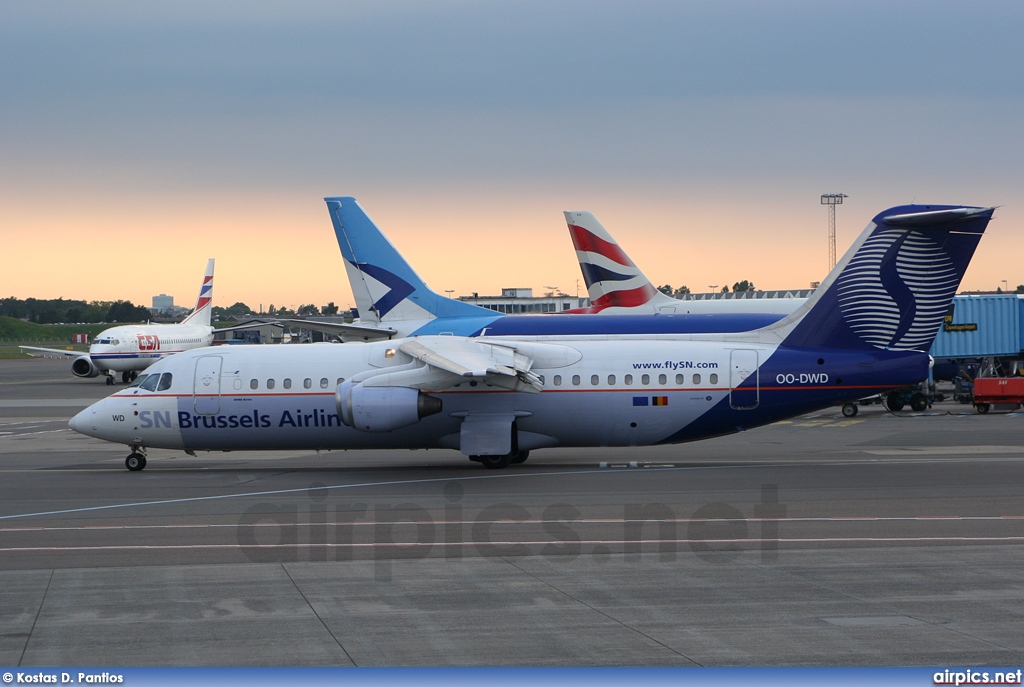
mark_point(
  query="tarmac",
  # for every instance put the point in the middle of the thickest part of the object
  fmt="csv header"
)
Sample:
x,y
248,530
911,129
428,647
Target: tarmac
x,y
884,539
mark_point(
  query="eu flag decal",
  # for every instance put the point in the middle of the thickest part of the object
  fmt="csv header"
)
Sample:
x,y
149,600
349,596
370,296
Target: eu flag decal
x,y
639,400
659,400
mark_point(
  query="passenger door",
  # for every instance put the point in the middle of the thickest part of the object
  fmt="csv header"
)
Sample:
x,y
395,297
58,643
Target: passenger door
x,y
206,388
743,365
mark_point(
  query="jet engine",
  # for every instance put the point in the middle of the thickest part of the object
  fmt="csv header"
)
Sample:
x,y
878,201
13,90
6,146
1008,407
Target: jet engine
x,y
383,408
84,367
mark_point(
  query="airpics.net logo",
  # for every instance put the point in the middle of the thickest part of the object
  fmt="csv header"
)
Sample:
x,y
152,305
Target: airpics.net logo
x,y
977,677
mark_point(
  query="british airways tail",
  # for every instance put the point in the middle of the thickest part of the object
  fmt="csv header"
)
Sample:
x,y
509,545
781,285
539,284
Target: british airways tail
x,y
385,286
613,280
200,314
893,287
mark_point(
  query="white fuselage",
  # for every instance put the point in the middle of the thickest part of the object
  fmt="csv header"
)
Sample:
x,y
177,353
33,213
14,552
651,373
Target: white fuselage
x,y
135,347
606,393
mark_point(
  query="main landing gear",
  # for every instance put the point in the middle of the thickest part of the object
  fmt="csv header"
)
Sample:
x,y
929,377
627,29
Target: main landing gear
x,y
127,377
503,461
136,460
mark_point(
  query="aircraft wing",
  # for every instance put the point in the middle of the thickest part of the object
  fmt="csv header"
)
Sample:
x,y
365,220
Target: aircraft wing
x,y
347,332
491,363
36,352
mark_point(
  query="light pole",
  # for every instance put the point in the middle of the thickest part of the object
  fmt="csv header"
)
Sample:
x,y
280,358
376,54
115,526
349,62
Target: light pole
x,y
1004,286
449,292
832,200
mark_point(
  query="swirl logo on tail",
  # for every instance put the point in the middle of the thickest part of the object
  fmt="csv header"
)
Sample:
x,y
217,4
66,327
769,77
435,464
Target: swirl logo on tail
x,y
895,291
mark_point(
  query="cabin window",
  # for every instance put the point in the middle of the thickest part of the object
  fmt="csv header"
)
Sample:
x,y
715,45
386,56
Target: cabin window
x,y
165,382
287,383
558,380
680,380
662,379
713,378
307,383
341,380
541,377
645,380
150,383
575,380
324,383
611,380
628,380
595,380
270,383
254,384
696,379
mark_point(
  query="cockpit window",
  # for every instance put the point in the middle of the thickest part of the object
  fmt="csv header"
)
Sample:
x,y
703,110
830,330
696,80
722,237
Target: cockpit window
x,y
102,341
150,383
165,382
138,380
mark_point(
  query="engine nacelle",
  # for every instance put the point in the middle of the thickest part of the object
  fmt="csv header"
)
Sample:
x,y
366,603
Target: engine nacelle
x,y
84,367
383,408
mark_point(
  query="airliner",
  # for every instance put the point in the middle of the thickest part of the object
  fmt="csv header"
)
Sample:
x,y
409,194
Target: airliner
x,y
133,347
616,286
496,398
394,302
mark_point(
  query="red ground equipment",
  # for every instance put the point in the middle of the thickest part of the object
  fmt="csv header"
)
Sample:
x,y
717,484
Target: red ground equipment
x,y
990,391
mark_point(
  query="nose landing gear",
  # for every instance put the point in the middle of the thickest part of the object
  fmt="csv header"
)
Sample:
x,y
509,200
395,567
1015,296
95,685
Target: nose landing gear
x,y
136,460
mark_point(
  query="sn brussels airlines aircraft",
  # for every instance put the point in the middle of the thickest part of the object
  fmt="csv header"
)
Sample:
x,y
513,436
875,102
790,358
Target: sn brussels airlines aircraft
x,y
495,398
394,302
130,348
616,286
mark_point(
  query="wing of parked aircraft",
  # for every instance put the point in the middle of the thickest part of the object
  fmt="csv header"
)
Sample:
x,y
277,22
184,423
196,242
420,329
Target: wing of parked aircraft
x,y
37,352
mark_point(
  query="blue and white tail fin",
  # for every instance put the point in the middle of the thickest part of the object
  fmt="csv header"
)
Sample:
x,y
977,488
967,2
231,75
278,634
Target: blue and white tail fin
x,y
385,286
200,314
893,287
613,280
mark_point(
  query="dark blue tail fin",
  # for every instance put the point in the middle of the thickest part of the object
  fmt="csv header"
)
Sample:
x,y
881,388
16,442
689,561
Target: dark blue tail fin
x,y
892,288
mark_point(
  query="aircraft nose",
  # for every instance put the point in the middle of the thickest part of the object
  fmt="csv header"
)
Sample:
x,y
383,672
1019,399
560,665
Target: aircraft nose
x,y
82,422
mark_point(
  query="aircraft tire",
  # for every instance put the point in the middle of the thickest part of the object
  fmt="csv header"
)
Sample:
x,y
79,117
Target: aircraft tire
x,y
110,380
918,402
519,457
135,461
850,410
126,377
893,402
495,462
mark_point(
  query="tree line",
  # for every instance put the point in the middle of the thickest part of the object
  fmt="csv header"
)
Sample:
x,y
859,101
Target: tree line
x,y
42,311
738,287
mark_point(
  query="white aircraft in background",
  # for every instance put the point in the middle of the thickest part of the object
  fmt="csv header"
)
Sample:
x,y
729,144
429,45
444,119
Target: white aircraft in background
x,y
133,347
497,397
616,286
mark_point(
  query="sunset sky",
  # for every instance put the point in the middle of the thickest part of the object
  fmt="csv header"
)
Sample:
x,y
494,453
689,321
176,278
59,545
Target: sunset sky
x,y
138,139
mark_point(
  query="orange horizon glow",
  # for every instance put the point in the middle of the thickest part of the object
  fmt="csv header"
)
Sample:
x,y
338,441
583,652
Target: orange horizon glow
x,y
282,250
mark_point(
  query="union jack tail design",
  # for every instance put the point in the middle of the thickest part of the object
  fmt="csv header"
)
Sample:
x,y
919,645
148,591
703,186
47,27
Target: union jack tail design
x,y
201,313
613,281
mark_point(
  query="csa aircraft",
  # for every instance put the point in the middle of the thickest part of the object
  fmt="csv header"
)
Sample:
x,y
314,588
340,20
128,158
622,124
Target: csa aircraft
x,y
617,286
496,398
394,301
130,348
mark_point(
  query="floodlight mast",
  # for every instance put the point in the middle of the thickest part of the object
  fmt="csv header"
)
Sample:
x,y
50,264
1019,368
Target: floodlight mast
x,y
832,200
